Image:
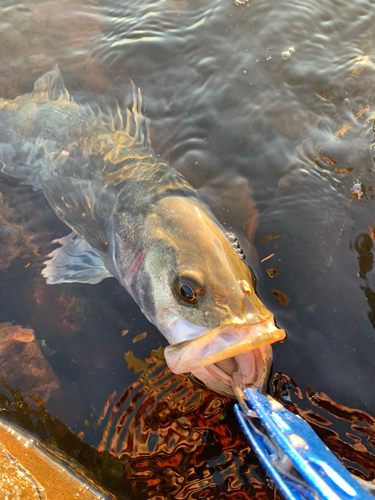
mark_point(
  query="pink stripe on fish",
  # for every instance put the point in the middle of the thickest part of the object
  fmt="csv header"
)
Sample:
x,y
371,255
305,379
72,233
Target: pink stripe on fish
x,y
134,267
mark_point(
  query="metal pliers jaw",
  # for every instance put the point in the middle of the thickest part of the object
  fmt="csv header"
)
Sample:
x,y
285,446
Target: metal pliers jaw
x,y
294,457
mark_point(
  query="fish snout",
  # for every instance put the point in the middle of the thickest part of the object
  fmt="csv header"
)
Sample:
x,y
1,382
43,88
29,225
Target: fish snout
x,y
221,343
252,312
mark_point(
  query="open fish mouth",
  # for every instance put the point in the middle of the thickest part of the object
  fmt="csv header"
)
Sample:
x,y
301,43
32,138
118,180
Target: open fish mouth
x,y
215,355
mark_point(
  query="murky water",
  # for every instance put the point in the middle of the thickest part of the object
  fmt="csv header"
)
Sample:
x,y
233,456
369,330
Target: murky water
x,y
273,96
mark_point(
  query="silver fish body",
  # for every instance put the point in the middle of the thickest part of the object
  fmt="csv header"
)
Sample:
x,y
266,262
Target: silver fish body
x,y
136,218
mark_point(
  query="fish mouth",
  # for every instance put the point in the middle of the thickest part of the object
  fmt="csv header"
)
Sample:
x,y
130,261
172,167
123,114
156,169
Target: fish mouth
x,y
215,355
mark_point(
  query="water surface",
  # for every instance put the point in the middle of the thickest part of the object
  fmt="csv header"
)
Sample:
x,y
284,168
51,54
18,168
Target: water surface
x,y
259,102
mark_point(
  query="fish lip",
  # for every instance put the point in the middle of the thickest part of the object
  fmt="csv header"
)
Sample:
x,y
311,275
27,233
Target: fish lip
x,y
258,360
221,343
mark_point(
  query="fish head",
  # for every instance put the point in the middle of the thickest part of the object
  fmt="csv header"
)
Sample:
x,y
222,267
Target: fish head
x,y
200,294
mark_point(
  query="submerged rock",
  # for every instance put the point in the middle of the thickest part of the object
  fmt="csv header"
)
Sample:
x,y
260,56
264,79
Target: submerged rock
x,y
23,365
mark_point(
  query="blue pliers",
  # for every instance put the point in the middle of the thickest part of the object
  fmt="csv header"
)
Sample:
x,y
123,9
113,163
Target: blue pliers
x,y
294,457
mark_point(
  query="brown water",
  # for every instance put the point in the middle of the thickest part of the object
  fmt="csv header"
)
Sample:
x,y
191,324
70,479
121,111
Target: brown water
x,y
231,105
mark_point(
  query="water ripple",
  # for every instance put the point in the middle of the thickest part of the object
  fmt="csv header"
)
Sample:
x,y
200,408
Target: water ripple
x,y
176,439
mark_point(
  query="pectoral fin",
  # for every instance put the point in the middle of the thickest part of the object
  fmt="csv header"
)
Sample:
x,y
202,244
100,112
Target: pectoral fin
x,y
83,205
75,261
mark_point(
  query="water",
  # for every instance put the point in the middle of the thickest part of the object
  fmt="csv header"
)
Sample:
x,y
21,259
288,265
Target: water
x,y
275,96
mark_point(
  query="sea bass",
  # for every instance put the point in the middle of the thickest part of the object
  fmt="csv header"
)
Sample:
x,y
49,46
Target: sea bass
x,y
134,217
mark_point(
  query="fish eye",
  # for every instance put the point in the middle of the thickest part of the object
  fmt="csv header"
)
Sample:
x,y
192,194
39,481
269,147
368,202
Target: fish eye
x,y
188,288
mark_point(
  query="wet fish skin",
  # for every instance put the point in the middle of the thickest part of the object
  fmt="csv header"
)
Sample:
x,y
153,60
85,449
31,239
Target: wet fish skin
x,y
142,219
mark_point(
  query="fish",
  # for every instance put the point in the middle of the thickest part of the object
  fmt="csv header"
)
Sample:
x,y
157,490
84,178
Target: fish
x,y
136,218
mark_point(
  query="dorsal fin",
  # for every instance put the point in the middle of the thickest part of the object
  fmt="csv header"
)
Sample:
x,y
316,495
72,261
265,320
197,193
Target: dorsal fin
x,y
50,86
138,125
128,119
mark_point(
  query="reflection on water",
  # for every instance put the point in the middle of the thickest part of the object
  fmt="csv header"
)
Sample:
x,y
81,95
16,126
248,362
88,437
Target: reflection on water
x,y
267,108
363,245
346,431
357,451
164,437
179,441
